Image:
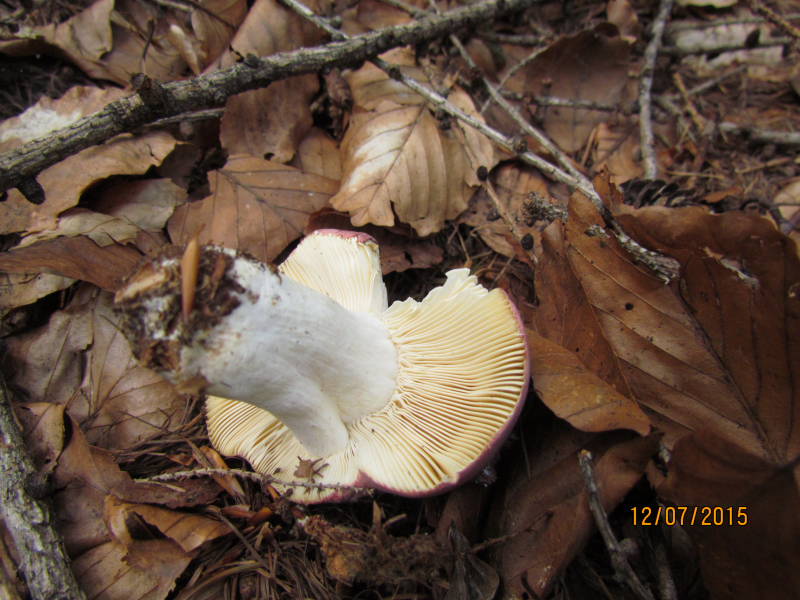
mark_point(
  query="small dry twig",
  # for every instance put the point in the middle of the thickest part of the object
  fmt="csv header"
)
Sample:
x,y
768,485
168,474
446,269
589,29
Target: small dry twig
x,y
775,18
762,136
645,88
621,565
258,478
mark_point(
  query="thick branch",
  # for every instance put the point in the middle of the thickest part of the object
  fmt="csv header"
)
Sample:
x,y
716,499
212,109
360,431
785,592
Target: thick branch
x,y
43,559
207,91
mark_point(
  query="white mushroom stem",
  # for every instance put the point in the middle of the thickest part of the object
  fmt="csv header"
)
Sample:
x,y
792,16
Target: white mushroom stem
x,y
293,351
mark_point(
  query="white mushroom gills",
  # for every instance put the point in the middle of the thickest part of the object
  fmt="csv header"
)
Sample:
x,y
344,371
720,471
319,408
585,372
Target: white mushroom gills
x,y
312,364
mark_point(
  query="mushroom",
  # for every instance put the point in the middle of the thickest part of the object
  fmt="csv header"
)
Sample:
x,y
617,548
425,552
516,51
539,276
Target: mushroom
x,y
313,377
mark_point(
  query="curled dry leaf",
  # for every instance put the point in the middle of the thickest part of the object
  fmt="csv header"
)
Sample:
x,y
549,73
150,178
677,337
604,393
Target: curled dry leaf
x,y
269,122
589,66
398,158
84,476
188,530
256,206
64,182
145,570
143,42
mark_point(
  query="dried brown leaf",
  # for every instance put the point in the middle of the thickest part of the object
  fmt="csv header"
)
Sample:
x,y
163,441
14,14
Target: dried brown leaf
x,y
754,553
319,154
103,230
146,570
85,475
545,508
731,372
142,44
514,186
46,363
256,206
148,203
710,357
615,149
81,360
123,402
188,530
589,66
20,289
740,282
269,122
215,25
64,182
78,258
577,395
399,159
84,38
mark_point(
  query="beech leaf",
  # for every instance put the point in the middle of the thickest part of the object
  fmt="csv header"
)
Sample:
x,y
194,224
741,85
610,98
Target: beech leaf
x,y
269,122
256,206
398,158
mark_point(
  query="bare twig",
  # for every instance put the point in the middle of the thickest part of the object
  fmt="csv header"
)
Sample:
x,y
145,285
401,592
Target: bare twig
x,y
698,119
248,475
645,88
692,25
762,136
775,18
42,557
211,90
621,565
723,47
566,163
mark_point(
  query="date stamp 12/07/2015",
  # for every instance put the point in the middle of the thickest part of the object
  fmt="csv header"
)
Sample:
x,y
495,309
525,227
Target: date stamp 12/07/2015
x,y
706,516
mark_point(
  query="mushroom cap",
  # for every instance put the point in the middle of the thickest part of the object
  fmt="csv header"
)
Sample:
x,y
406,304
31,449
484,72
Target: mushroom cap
x,y
461,382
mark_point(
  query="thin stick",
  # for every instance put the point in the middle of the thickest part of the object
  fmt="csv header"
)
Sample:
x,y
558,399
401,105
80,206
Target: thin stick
x,y
526,127
248,475
19,167
775,18
723,47
621,565
645,88
762,136
42,557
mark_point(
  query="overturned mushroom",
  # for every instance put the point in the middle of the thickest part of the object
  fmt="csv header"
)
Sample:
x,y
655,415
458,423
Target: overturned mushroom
x,y
314,377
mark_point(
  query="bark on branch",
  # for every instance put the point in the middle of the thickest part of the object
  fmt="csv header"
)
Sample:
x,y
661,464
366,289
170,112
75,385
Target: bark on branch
x,y
19,167
43,560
